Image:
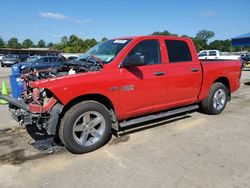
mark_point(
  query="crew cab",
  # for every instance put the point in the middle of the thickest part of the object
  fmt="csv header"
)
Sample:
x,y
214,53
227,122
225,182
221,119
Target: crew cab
x,y
121,82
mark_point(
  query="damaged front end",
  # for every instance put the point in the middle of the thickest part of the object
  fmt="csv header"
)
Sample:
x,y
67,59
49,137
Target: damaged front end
x,y
39,106
44,110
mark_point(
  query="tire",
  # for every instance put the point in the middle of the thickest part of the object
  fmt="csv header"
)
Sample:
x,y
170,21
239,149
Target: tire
x,y
85,127
216,100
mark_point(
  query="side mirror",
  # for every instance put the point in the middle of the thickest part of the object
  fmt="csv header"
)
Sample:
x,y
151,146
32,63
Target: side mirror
x,y
133,60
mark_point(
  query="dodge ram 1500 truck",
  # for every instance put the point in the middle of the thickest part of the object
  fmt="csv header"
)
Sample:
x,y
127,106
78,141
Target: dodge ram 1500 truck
x,y
121,82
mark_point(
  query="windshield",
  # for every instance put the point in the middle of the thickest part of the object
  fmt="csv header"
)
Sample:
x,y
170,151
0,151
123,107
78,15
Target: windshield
x,y
106,51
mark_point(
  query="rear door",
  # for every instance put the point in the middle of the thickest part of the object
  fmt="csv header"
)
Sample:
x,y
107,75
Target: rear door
x,y
144,87
184,73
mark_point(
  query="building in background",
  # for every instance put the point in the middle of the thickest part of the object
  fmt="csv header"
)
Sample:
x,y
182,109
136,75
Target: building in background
x,y
30,51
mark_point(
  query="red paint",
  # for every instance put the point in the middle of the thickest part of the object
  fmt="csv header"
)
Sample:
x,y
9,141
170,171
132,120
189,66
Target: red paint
x,y
178,87
36,108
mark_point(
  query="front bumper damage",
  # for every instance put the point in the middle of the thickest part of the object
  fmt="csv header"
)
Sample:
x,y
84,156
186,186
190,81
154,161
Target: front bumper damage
x,y
46,116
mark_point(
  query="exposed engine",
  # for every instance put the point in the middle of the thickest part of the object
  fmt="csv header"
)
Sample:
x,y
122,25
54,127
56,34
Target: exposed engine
x,y
68,68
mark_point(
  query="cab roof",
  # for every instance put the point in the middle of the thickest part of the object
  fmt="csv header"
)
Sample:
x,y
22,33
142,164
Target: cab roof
x,y
150,37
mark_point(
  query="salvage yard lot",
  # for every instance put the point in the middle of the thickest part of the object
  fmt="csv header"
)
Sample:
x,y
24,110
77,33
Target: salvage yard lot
x,y
194,150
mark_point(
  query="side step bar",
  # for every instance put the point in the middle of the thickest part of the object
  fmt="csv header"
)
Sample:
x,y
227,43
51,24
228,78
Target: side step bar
x,y
15,102
158,116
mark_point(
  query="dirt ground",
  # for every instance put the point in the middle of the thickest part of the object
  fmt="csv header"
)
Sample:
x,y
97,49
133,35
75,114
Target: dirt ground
x,y
193,150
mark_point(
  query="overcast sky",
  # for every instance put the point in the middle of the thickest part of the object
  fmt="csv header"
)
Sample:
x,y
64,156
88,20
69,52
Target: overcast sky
x,y
51,19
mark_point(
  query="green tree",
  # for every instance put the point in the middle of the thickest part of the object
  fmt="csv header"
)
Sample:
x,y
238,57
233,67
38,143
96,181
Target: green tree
x,y
200,44
13,43
41,44
221,45
89,43
205,35
165,32
2,43
50,45
27,43
64,41
104,39
73,40
75,44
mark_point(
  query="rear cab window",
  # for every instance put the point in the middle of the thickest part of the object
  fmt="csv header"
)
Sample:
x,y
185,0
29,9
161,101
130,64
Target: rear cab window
x,y
178,51
212,53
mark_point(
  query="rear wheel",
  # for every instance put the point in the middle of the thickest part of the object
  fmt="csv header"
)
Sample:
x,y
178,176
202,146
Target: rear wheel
x,y
85,127
216,100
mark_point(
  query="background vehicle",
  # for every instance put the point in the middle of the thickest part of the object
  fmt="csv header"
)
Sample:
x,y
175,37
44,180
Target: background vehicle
x,y
72,58
245,58
9,60
32,58
1,56
41,63
121,82
23,57
216,54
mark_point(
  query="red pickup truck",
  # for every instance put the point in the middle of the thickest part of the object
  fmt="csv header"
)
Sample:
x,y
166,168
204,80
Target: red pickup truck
x,y
121,82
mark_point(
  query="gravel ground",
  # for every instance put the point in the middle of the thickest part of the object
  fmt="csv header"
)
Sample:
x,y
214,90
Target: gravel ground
x,y
194,150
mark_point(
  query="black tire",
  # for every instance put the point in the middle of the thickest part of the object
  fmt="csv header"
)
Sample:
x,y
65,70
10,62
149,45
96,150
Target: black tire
x,y
207,105
68,136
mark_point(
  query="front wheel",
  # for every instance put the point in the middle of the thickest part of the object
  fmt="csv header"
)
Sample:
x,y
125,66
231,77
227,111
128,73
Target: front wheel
x,y
216,100
85,127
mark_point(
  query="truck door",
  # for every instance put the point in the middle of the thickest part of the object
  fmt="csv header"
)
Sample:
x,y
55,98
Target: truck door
x,y
144,87
184,73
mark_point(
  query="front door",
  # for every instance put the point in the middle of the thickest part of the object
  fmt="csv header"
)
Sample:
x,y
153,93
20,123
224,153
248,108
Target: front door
x,y
144,87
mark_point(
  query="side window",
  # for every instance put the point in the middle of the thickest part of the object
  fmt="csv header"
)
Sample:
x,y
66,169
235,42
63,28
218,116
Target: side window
x,y
202,54
212,53
40,60
178,51
45,60
150,49
52,59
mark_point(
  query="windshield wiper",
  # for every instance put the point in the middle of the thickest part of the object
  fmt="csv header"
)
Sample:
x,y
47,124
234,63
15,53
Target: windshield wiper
x,y
92,59
97,59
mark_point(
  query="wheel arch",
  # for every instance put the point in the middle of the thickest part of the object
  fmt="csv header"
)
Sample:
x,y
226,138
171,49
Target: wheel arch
x,y
224,80
105,101
94,97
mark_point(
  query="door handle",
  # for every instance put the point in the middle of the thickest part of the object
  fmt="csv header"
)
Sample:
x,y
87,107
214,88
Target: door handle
x,y
159,73
195,70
